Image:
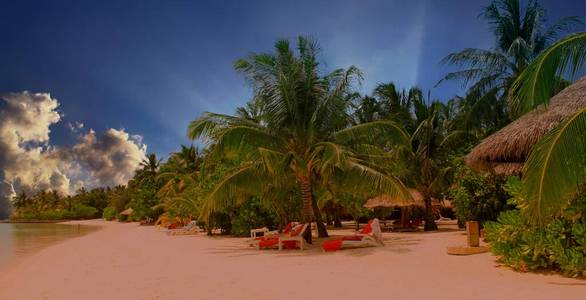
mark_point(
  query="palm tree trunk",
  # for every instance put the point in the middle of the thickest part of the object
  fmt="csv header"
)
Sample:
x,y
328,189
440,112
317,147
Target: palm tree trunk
x,y
306,195
429,217
321,228
337,220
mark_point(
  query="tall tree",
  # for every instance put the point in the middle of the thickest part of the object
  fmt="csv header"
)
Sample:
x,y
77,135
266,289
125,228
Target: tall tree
x,y
303,136
520,37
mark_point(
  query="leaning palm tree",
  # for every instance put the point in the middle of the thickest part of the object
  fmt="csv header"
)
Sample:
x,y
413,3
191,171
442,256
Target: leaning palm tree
x,y
556,168
303,136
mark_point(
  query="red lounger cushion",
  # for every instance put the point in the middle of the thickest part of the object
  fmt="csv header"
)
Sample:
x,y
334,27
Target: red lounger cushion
x,y
332,245
271,242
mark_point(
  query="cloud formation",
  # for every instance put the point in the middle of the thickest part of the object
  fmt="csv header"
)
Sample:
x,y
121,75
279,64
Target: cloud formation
x,y
29,162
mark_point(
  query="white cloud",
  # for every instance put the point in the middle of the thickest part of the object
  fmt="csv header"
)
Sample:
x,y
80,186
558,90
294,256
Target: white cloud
x,y
28,161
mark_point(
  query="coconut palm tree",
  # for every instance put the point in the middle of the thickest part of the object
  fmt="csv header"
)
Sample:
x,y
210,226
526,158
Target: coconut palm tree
x,y
556,167
150,163
520,37
303,136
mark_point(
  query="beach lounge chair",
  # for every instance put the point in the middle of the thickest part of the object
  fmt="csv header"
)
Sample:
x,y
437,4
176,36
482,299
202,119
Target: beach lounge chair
x,y
190,228
369,236
287,240
266,232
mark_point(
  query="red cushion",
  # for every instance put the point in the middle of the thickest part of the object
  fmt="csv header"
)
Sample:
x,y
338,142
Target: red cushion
x,y
297,230
332,245
269,242
352,238
288,228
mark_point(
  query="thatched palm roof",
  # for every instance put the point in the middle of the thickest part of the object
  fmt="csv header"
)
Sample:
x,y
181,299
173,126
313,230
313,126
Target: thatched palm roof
x,y
506,150
387,201
127,212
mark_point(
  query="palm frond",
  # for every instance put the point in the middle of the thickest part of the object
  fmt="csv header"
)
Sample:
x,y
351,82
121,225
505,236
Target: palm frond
x,y
234,188
556,169
243,140
373,133
536,84
361,180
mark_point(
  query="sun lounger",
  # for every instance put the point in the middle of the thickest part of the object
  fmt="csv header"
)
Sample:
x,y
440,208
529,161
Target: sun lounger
x,y
254,233
369,236
287,240
190,228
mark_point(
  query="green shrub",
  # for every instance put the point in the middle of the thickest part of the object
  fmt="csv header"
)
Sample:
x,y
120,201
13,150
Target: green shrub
x,y
122,218
250,215
109,213
479,197
80,211
560,245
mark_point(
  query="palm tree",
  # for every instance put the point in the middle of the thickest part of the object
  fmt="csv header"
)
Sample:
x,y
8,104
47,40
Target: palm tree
x,y
423,163
556,168
150,164
180,175
303,136
520,37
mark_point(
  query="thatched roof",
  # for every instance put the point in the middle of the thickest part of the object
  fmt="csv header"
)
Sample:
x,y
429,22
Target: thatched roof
x,y
127,212
506,150
387,201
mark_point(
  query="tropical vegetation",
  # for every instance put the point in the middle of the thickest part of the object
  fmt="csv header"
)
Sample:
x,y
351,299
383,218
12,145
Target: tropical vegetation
x,y
308,146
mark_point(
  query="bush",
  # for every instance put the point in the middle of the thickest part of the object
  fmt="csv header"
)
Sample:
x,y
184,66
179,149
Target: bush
x,y
122,218
109,213
479,197
251,215
560,245
80,211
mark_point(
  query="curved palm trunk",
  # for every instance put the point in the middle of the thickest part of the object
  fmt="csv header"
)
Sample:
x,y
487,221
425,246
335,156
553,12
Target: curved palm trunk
x,y
321,228
429,217
306,195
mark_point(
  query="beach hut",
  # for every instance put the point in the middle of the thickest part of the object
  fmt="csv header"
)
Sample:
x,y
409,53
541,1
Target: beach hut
x,y
506,151
388,201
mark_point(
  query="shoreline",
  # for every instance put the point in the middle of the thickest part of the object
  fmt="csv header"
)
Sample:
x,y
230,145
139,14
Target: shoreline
x,y
28,252
126,260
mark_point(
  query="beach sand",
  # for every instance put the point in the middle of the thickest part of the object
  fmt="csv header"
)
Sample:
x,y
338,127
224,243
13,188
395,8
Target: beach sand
x,y
128,261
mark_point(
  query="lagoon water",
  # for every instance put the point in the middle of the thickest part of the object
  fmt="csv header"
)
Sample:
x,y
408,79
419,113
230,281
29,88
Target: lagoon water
x,y
20,240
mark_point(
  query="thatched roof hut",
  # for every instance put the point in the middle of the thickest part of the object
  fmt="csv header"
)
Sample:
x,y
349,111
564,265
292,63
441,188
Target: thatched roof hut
x,y
127,212
387,201
506,150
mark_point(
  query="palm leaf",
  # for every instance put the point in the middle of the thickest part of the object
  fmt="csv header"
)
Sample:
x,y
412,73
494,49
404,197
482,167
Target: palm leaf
x,y
555,169
373,133
536,84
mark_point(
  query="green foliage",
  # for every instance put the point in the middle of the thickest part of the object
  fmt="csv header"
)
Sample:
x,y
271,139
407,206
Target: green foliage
x,y
121,217
109,213
555,169
479,197
5,207
541,79
80,211
559,245
251,215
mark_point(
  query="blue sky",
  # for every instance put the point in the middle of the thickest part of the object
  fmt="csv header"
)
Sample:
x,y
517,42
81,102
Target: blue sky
x,y
152,66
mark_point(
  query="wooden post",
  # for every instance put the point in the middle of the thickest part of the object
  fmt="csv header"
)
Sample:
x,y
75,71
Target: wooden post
x,y
473,233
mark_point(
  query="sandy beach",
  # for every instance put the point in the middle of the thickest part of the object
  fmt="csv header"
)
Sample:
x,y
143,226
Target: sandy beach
x,y
128,261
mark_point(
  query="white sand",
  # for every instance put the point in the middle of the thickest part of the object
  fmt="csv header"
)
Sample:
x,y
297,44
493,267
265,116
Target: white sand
x,y
127,261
